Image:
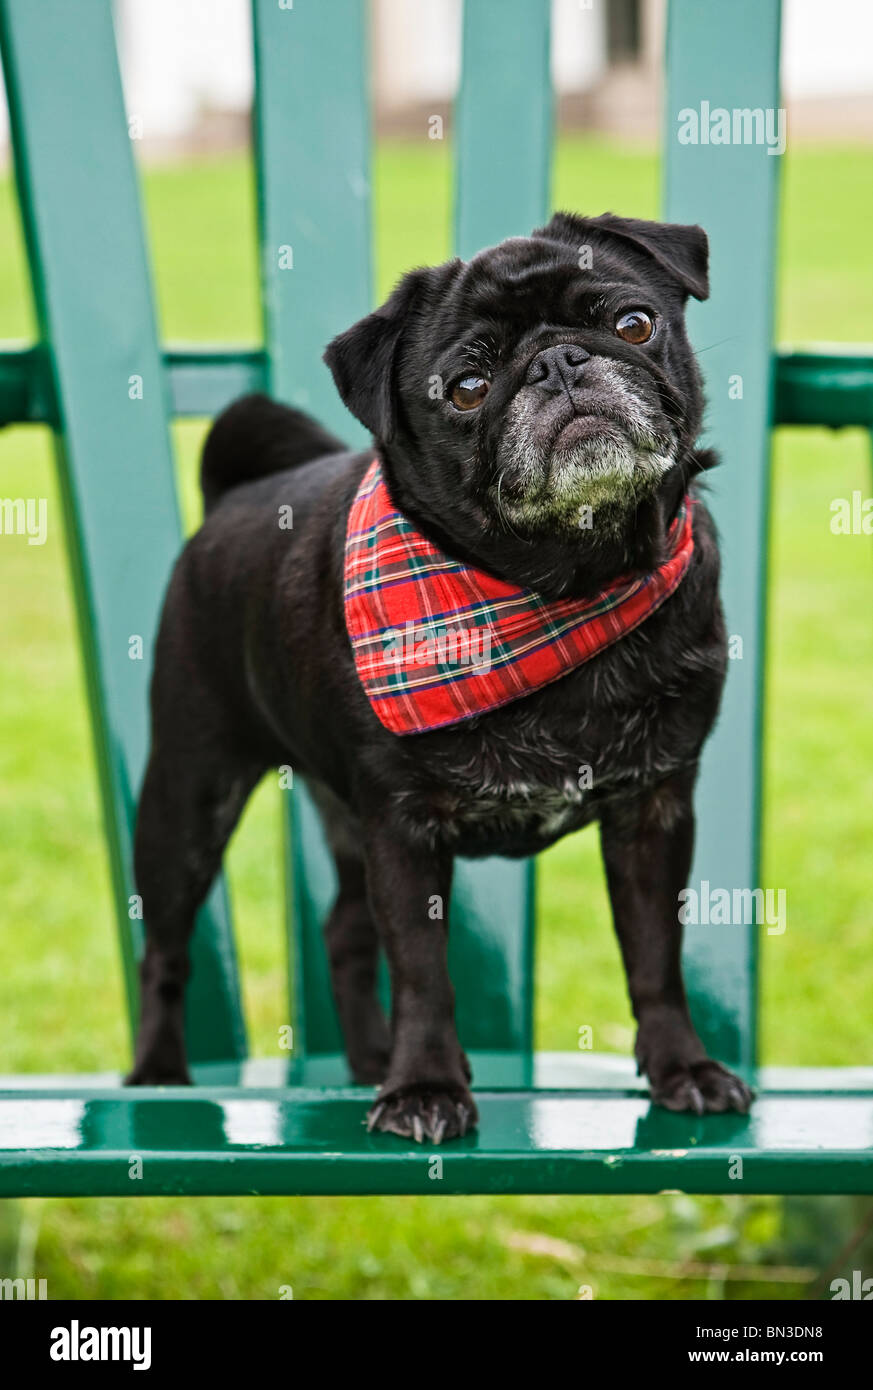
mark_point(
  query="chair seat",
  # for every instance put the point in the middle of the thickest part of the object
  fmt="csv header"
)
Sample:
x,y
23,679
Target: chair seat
x,y
578,1124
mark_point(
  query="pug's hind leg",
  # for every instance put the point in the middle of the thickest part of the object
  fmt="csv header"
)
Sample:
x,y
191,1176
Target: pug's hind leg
x,y
193,794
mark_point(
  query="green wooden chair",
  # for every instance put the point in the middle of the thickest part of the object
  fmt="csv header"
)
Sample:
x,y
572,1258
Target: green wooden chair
x,y
549,1123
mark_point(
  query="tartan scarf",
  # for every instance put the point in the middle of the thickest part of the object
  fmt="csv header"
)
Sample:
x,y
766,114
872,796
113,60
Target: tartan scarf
x,y
436,641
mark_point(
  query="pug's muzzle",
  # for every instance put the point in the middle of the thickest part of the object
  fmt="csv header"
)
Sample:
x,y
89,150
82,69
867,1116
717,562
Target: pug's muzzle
x,y
582,431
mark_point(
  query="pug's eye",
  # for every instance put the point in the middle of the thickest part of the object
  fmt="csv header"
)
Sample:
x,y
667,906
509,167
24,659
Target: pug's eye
x,y
469,392
635,326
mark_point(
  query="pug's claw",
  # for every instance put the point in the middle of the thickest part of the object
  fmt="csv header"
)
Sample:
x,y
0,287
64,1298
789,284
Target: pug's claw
x,y
374,1117
741,1098
424,1112
703,1088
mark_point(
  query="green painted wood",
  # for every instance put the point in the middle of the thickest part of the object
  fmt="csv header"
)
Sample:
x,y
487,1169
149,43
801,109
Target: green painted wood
x,y
728,56
313,162
585,1073
503,126
25,388
608,1139
203,380
313,166
831,384
80,208
502,171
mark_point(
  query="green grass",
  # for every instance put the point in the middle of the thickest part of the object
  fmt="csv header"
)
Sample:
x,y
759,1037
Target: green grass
x,y
54,889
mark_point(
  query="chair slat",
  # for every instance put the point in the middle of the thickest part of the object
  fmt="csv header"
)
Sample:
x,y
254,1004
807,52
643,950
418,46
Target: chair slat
x,y
503,128
312,149
575,1134
503,152
312,154
728,56
831,384
313,165
80,207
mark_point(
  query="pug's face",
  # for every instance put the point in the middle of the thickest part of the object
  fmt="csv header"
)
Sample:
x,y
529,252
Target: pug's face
x,y
549,376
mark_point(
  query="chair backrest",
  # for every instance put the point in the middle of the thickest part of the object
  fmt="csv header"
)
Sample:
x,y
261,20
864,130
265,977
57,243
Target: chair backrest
x,y
110,385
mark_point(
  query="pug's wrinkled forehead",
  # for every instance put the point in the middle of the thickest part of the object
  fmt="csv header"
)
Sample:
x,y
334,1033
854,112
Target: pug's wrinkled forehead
x,y
574,271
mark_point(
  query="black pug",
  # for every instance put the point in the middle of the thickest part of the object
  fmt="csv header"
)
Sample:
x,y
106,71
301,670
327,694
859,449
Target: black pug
x,y
565,386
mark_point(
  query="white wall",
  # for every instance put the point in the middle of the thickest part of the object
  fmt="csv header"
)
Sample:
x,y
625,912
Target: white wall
x,y
827,49
416,50
178,56
578,44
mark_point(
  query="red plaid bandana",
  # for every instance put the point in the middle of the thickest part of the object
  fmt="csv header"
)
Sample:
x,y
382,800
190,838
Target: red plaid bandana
x,y
436,641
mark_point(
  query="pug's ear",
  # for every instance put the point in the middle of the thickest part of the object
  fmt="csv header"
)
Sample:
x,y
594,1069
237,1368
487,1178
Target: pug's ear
x,y
363,359
681,250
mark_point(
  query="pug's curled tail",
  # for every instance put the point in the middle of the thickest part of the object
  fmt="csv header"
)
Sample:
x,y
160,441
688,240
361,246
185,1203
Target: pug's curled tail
x,y
256,436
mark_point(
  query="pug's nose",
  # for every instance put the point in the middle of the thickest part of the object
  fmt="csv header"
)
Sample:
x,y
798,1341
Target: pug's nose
x,y
558,368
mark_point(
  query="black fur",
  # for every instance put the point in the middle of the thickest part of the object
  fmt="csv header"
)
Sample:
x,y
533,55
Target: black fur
x,y
253,664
